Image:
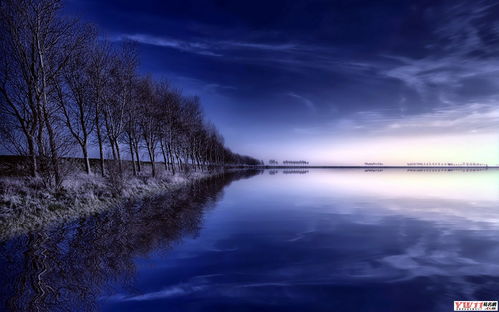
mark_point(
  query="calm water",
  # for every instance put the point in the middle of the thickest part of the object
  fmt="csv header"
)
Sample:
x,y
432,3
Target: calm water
x,y
322,240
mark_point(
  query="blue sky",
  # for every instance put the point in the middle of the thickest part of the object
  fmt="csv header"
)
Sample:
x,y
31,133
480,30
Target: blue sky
x,y
332,82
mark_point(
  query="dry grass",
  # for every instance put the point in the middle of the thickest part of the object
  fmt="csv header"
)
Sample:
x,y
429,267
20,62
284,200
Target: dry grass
x,y
27,204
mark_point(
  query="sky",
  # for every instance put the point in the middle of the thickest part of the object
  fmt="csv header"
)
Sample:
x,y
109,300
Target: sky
x,y
330,82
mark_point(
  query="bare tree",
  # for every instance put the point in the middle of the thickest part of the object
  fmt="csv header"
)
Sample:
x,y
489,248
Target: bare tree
x,y
17,79
98,70
151,99
39,44
58,80
118,97
74,98
141,94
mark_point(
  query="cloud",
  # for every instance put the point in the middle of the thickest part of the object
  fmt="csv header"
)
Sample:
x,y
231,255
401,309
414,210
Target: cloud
x,y
446,76
169,292
206,47
218,86
463,51
284,55
462,119
307,102
466,28
473,118
260,46
181,45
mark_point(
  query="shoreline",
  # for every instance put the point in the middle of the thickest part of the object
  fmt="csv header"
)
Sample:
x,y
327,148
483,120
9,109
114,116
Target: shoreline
x,y
27,206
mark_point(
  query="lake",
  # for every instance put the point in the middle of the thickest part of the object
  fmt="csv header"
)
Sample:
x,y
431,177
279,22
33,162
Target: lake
x,y
272,240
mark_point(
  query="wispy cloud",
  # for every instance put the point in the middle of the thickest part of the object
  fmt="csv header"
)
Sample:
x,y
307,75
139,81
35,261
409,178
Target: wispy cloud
x,y
259,46
285,55
172,291
307,102
465,47
465,119
186,46
216,86
465,26
473,118
206,47
444,75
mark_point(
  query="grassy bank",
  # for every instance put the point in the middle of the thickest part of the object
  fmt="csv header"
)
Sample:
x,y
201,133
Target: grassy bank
x,y
27,204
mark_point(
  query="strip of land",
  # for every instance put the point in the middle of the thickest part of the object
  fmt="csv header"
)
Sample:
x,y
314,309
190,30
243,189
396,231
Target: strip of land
x,y
28,203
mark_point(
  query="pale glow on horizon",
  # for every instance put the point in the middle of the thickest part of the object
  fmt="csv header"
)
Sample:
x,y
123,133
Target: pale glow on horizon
x,y
399,151
479,148
468,133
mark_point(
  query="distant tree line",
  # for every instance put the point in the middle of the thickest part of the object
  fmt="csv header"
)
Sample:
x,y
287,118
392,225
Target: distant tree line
x,y
288,162
451,164
61,87
295,162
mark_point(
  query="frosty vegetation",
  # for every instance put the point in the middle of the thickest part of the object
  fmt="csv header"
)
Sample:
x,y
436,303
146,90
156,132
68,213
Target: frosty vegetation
x,y
26,204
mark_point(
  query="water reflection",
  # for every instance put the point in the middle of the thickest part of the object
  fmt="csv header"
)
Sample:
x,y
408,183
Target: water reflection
x,y
327,240
295,171
70,266
341,240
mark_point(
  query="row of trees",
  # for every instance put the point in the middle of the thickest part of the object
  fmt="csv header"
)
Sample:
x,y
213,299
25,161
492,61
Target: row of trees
x,y
288,162
450,164
61,87
295,162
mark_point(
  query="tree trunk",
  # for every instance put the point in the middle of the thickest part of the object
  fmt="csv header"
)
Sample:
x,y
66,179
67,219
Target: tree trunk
x,y
165,158
172,164
133,157
150,149
118,155
137,156
53,146
113,149
40,122
84,148
32,156
99,140
54,157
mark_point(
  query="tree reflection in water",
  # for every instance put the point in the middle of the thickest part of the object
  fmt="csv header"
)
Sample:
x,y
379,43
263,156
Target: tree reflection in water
x,y
69,266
